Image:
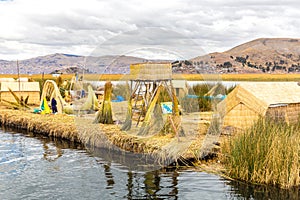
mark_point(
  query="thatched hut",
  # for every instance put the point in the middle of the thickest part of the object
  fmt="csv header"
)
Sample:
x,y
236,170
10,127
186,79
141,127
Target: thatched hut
x,y
249,101
24,89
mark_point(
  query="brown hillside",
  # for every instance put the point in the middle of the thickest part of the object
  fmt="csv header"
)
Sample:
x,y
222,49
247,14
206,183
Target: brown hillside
x,y
67,63
269,55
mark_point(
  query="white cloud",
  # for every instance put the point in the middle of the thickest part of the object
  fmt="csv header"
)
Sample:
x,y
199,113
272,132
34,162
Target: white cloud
x,y
189,28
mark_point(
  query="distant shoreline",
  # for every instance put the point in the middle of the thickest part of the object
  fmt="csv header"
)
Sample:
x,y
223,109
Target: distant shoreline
x,y
188,77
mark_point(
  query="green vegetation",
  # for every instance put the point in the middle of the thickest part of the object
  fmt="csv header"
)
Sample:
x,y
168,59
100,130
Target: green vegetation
x,y
267,153
204,93
201,103
121,90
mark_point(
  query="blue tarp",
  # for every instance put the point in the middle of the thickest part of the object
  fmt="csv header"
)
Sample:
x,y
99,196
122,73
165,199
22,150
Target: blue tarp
x,y
119,99
192,96
219,96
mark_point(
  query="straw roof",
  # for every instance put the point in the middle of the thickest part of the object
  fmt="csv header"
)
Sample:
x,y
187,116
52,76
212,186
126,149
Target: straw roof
x,y
22,86
151,71
23,79
7,80
274,93
259,96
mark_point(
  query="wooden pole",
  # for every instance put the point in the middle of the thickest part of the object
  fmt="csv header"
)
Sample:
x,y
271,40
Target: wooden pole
x,y
175,103
19,75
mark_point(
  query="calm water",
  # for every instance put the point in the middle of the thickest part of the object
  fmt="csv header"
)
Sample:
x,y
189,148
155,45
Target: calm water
x,y
35,167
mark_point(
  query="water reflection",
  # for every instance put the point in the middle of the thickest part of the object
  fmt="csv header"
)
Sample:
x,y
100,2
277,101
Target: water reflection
x,y
109,177
248,191
45,168
49,153
152,183
129,185
128,160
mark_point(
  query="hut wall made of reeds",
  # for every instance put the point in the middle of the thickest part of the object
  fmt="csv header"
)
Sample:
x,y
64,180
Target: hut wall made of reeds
x,y
293,112
284,112
151,71
249,101
24,89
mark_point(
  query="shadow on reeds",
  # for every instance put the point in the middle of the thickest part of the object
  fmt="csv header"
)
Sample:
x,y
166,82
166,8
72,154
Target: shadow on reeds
x,y
267,153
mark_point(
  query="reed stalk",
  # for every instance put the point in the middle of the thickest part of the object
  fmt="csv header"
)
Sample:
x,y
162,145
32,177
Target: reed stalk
x,y
267,153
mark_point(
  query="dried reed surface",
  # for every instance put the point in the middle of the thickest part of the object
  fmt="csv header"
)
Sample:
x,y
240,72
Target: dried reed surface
x,y
163,148
267,153
60,126
83,130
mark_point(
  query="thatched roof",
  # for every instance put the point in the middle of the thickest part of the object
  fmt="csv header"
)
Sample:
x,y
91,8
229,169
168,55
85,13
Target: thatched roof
x,y
258,96
24,86
274,93
23,79
151,71
7,80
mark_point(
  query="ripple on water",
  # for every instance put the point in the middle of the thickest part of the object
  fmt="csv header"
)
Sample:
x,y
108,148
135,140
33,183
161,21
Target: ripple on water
x,y
41,168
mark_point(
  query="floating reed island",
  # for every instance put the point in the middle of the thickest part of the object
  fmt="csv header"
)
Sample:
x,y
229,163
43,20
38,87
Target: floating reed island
x,y
257,125
140,127
83,130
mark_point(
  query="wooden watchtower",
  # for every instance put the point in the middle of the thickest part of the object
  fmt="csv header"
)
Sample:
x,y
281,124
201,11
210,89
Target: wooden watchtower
x,y
146,80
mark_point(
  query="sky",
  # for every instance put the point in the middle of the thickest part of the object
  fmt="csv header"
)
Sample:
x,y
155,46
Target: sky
x,y
153,29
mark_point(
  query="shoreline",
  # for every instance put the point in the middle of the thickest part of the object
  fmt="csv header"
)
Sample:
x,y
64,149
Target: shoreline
x,y
188,77
82,130
49,125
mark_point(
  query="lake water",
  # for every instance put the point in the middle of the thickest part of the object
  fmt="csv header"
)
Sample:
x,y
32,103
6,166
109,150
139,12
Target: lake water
x,y
227,84
37,167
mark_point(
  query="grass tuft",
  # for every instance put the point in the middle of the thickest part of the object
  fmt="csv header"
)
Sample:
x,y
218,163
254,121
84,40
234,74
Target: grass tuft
x,y
267,153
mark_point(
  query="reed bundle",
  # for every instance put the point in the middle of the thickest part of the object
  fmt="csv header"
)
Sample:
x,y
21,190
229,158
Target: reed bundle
x,y
128,120
104,115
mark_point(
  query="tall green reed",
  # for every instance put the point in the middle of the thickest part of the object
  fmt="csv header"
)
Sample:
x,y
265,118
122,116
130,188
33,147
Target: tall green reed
x,y
266,153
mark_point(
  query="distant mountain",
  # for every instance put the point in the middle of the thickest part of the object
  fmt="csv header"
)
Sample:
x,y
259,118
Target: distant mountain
x,y
68,63
264,55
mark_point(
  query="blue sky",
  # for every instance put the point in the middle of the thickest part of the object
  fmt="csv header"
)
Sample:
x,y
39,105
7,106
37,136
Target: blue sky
x,y
152,29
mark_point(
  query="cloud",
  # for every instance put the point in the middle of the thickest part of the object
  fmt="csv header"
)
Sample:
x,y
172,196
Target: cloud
x,y
187,28
155,40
